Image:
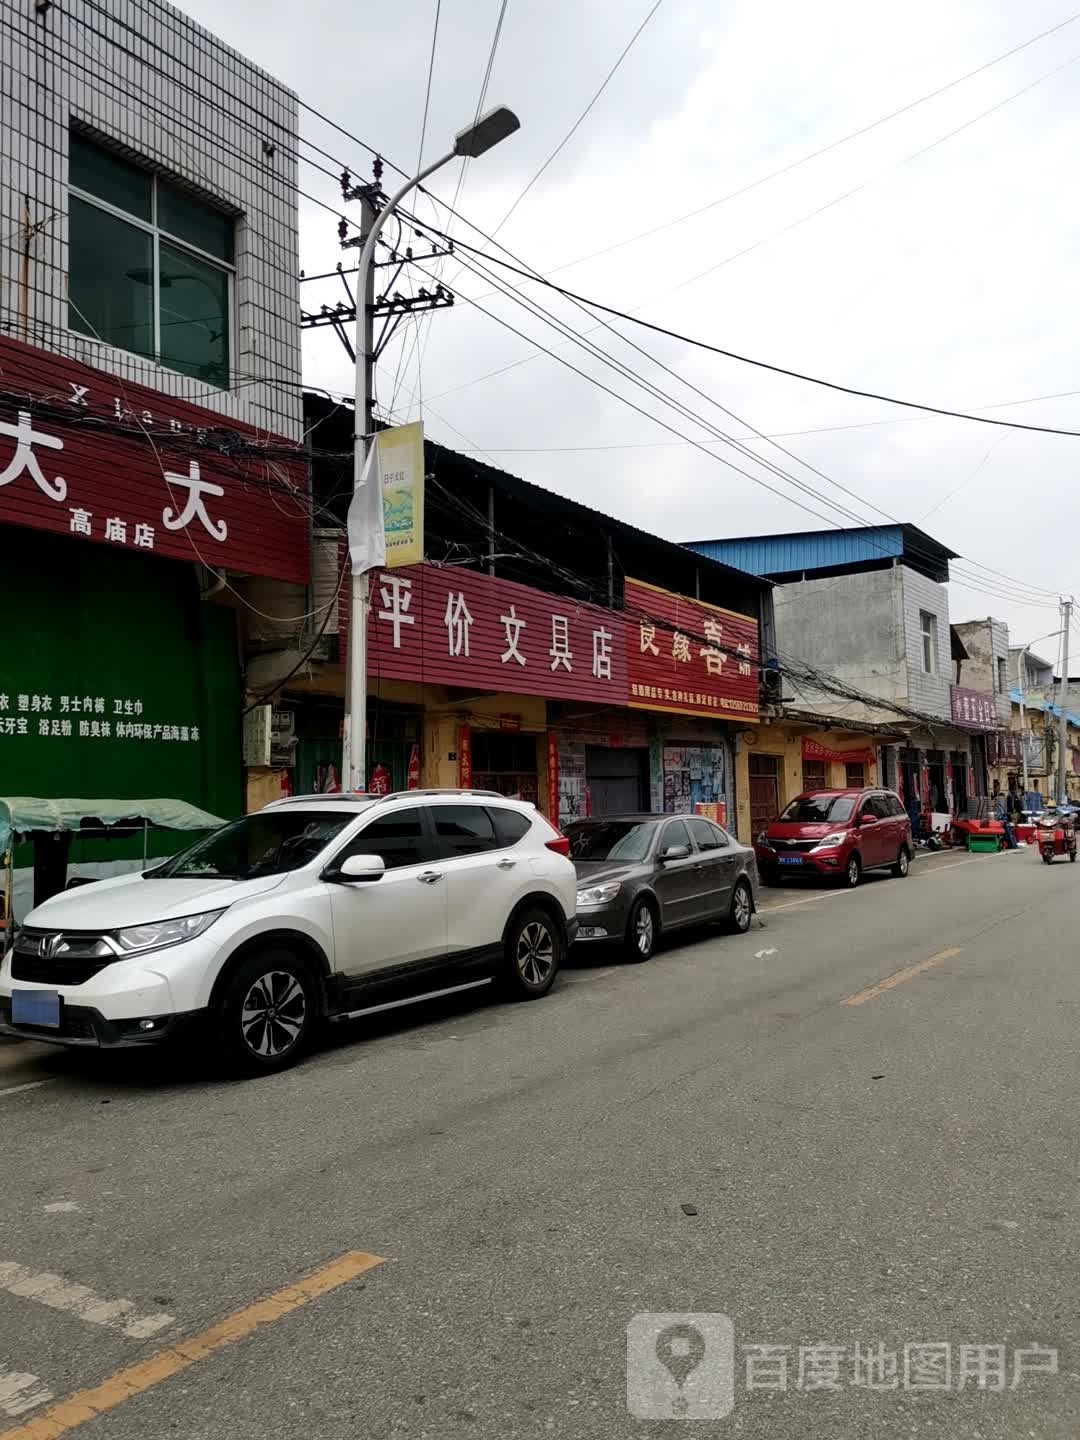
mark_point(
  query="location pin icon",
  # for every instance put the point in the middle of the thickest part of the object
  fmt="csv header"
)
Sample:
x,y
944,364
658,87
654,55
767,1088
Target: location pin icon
x,y
680,1349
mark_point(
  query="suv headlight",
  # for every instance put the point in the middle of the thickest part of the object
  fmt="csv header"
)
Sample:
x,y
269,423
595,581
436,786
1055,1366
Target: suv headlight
x,y
831,841
159,933
598,894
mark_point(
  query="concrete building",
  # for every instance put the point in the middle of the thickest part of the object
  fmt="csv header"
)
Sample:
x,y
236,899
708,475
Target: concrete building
x,y
863,637
151,464
985,663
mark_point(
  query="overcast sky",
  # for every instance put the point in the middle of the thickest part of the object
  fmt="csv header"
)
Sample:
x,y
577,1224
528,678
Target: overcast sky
x,y
949,278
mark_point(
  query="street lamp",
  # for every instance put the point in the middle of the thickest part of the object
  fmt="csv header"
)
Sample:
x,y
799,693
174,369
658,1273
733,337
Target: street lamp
x,y
475,140
1021,669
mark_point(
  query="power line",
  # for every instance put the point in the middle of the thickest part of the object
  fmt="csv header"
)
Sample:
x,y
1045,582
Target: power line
x,y
765,364
427,92
581,118
816,154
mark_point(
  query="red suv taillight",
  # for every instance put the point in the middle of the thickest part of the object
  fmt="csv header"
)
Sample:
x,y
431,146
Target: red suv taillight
x,y
561,845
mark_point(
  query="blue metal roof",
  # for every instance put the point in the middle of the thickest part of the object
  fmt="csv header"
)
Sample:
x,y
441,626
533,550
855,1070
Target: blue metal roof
x,y
816,550
1036,702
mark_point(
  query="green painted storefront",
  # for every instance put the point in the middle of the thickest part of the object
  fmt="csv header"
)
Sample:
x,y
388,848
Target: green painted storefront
x,y
116,680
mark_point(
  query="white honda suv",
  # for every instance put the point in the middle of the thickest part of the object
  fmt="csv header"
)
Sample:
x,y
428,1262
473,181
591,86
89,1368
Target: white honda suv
x,y
320,907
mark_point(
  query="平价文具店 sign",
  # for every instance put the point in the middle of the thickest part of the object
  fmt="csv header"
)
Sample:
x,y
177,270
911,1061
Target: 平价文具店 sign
x,y
85,454
456,627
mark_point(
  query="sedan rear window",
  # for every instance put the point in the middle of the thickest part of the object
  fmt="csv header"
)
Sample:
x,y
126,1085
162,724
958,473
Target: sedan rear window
x,y
819,809
627,840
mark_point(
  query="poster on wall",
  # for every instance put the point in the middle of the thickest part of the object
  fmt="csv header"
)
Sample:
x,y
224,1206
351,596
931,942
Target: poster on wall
x,y
694,775
573,789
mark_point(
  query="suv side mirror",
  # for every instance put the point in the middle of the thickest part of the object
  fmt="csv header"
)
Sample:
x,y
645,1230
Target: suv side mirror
x,y
674,852
866,819
357,868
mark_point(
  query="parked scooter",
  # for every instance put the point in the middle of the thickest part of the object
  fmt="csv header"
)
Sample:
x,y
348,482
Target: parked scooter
x,y
1057,834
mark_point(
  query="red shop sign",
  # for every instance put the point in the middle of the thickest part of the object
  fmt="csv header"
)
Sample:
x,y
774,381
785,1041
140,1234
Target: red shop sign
x,y
689,657
456,627
85,454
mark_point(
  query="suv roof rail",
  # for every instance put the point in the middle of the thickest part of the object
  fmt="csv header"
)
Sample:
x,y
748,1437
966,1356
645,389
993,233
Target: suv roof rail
x,y
439,790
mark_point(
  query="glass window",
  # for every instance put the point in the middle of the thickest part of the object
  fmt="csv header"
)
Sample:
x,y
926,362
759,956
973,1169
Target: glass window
x,y
194,316
99,172
819,810
707,835
186,218
270,842
134,284
813,775
675,834
510,826
463,829
928,626
854,775
111,279
879,805
627,840
398,838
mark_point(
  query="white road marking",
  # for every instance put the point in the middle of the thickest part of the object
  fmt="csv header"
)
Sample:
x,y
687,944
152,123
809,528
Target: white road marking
x,y
760,954
63,1207
79,1301
19,1393
30,1085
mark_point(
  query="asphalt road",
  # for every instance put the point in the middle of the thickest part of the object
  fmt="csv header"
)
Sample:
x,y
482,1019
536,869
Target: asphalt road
x,y
485,1196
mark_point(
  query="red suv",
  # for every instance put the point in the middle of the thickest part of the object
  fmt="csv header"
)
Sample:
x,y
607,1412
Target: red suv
x,y
837,832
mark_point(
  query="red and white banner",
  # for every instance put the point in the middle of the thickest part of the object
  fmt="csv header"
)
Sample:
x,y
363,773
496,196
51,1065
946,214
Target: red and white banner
x,y
814,750
456,627
93,457
688,657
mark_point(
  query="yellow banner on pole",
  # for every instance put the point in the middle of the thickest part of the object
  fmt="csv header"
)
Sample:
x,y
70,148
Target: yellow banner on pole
x,y
401,465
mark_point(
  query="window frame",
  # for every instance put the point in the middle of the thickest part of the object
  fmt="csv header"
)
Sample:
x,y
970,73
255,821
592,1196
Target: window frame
x,y
668,827
157,234
720,837
427,839
928,633
443,854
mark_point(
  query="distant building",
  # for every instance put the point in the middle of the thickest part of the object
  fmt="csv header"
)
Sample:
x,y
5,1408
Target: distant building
x,y
862,632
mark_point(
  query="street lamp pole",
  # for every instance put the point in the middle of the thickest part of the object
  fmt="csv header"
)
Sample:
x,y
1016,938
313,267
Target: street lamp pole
x,y
1021,676
473,141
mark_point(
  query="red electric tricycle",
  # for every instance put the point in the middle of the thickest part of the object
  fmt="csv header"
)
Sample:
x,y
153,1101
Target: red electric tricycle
x,y
1057,835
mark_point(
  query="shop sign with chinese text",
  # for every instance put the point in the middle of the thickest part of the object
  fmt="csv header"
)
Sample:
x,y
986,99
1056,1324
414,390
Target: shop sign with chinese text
x,y
85,454
973,709
448,626
688,657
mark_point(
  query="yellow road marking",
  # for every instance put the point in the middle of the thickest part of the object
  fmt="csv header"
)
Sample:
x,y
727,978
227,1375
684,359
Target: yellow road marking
x,y
889,983
125,1384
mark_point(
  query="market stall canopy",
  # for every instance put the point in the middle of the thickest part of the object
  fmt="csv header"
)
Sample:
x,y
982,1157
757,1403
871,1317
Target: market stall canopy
x,y
22,813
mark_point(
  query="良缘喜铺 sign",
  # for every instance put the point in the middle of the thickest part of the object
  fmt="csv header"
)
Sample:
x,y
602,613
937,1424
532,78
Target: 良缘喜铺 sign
x,y
689,657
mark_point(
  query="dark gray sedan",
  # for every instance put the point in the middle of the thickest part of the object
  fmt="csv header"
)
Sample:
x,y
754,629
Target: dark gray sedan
x,y
640,875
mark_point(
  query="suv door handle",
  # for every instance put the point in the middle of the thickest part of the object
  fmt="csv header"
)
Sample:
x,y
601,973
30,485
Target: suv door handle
x,y
429,877
505,864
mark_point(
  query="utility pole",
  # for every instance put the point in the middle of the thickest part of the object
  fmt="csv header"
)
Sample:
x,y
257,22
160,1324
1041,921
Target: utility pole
x,y
475,140
1021,677
1066,618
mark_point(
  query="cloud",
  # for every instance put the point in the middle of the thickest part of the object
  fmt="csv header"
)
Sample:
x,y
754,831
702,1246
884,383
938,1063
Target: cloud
x,y
950,277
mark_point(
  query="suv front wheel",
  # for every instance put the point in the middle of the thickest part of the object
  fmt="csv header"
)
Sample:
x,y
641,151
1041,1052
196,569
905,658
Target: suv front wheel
x,y
266,1012
533,954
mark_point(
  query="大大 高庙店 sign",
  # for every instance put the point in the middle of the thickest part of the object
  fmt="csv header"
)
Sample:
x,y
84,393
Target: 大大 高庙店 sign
x,y
85,454
689,657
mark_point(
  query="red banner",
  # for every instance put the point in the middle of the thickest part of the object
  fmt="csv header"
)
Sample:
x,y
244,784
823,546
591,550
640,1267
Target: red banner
x,y
814,750
85,454
553,777
464,758
688,657
973,709
457,627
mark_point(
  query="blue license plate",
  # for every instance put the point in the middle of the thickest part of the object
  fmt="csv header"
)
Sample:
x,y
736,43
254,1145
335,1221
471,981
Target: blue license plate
x,y
36,1007
790,859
